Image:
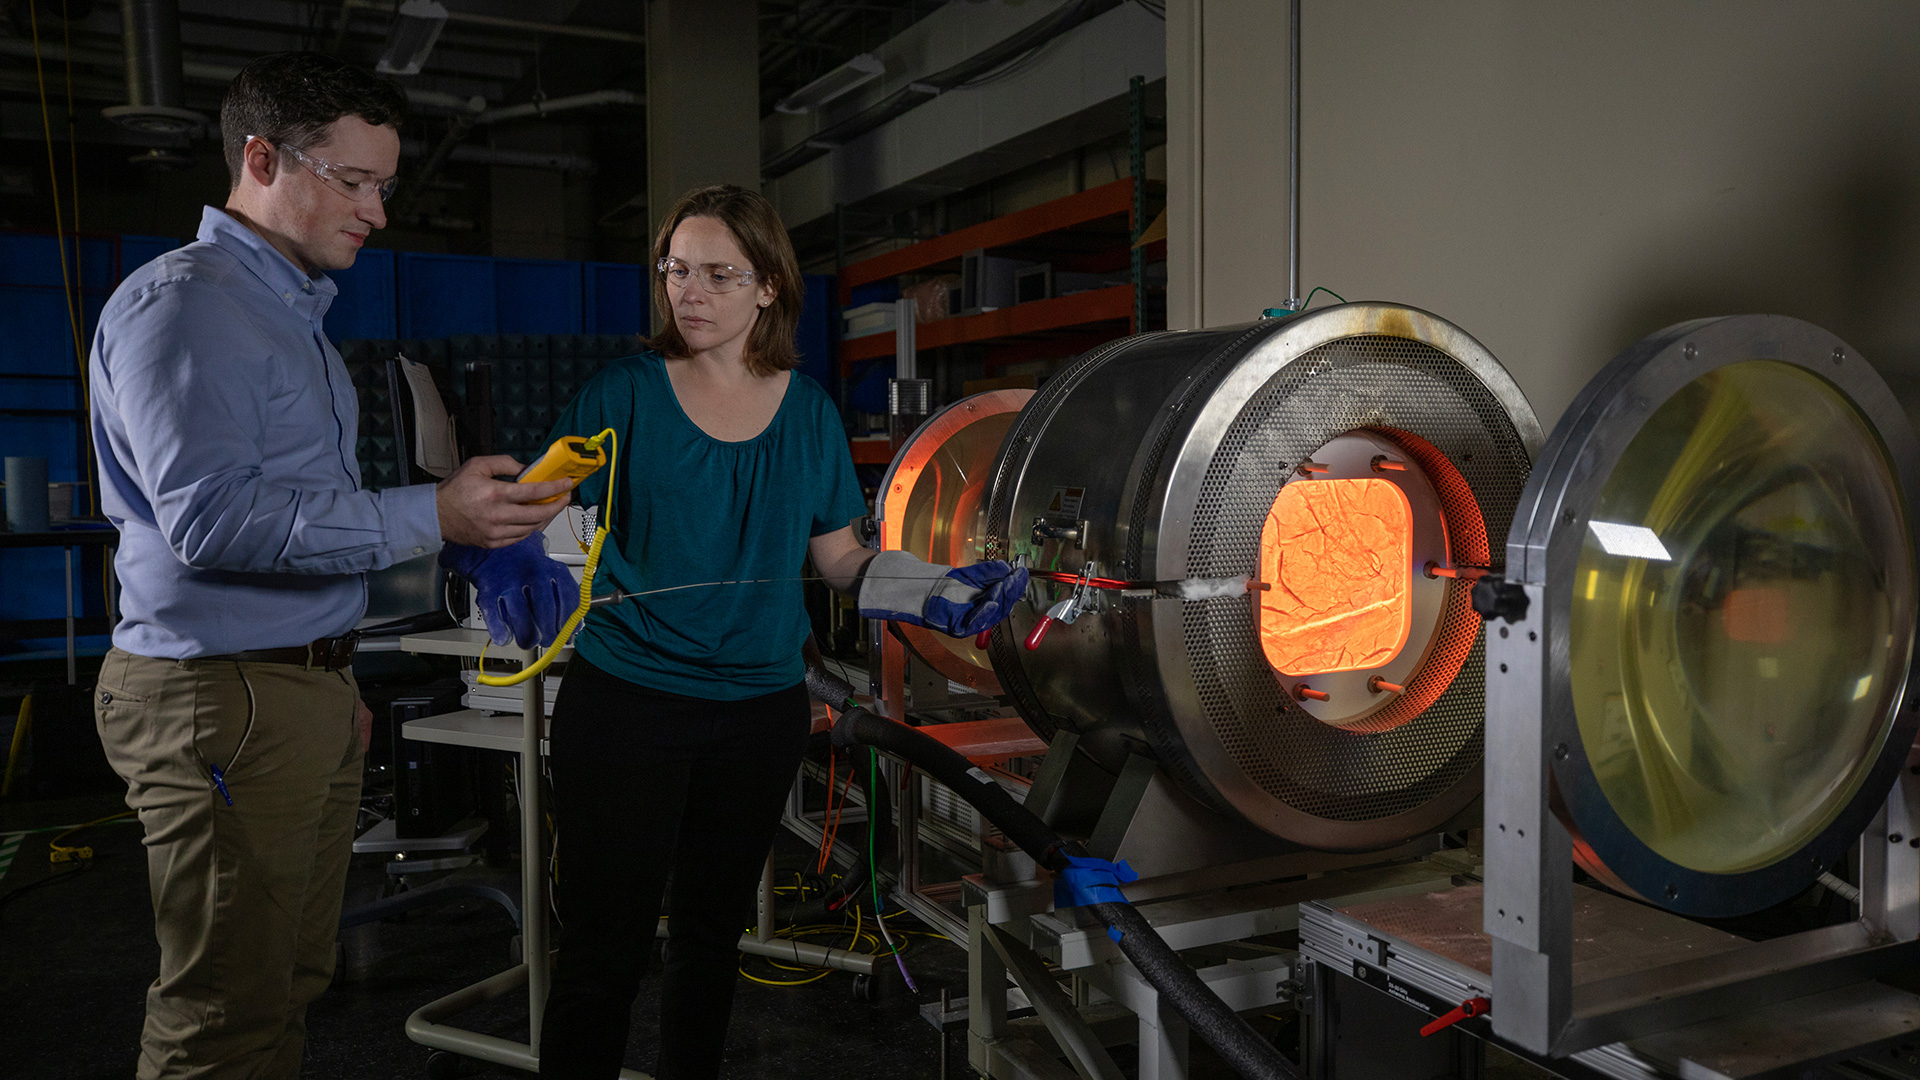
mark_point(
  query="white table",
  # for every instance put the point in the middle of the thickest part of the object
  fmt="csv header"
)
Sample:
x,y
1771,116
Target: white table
x,y
523,735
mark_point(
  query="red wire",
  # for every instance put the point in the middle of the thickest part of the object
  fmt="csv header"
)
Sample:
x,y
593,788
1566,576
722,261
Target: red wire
x,y
826,838
833,826
1065,578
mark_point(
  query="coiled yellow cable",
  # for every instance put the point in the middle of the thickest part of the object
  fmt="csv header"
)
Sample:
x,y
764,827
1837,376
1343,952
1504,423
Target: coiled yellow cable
x,y
586,578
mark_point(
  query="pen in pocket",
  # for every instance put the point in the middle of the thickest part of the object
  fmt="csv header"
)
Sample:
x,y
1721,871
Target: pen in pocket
x,y
220,782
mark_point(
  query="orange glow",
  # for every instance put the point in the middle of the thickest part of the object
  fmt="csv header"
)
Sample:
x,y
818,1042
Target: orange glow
x,y
1757,615
1338,556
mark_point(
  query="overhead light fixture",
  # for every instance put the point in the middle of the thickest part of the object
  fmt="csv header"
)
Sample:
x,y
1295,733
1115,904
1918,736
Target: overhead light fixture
x,y
832,86
416,26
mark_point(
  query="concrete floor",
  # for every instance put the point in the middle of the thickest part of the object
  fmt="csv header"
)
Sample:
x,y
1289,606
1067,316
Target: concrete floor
x,y
79,953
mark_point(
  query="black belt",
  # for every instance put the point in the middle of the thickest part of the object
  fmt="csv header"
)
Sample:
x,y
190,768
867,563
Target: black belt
x,y
326,654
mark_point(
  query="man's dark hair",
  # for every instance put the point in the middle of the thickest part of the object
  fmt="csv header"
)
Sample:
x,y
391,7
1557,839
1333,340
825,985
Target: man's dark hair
x,y
290,99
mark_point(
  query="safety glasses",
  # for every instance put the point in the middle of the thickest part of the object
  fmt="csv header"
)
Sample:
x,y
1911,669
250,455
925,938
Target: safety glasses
x,y
713,277
355,183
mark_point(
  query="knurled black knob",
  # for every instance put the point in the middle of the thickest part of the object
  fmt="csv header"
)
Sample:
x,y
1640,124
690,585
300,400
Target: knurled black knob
x,y
1497,598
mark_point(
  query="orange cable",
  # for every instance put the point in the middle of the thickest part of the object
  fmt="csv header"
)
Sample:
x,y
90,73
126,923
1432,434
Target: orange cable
x,y
833,829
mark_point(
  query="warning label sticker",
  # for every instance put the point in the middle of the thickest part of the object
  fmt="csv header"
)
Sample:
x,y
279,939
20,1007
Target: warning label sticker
x,y
1066,501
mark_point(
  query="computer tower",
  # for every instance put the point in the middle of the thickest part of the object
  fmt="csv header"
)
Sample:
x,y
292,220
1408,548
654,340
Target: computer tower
x,y
433,784
986,282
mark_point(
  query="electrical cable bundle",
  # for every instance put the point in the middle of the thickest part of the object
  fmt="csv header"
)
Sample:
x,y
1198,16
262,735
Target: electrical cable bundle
x,y
1210,1017
76,857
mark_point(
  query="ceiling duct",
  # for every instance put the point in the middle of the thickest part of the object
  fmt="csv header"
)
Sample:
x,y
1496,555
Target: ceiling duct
x,y
150,30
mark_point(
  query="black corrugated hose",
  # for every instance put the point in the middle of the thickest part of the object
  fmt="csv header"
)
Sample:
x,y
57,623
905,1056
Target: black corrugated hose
x,y
1219,1026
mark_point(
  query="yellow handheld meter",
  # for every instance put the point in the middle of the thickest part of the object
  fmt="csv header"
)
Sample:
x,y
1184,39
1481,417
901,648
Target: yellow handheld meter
x,y
573,456
577,458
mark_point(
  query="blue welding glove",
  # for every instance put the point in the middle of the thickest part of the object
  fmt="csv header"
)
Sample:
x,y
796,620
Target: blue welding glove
x,y
961,601
524,595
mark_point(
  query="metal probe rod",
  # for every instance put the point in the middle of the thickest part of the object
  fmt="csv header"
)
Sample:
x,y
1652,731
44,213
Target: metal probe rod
x,y
533,864
1293,154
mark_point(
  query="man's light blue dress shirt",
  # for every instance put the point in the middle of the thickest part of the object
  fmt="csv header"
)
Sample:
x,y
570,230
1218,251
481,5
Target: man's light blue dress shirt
x,y
224,423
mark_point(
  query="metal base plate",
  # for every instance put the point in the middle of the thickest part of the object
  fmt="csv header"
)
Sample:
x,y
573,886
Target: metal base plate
x,y
1430,951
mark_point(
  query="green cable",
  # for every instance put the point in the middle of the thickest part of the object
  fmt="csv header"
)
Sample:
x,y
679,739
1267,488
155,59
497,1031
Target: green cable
x,y
873,867
873,827
1321,289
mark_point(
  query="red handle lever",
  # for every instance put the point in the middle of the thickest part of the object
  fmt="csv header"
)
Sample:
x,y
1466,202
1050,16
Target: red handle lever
x,y
1039,632
1474,1006
982,639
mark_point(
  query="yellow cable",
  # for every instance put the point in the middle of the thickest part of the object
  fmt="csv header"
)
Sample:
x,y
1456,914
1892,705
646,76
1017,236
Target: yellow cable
x,y
586,579
810,931
53,174
21,725
59,853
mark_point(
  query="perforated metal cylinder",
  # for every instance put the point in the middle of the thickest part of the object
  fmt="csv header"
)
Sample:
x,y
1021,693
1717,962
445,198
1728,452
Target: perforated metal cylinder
x,y
1158,458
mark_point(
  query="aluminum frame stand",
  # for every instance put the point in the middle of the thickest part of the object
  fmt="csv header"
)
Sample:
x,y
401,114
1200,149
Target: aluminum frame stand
x,y
1014,934
429,1025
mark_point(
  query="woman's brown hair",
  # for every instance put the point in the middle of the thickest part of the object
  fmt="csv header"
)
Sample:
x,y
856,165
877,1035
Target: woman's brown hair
x,y
756,226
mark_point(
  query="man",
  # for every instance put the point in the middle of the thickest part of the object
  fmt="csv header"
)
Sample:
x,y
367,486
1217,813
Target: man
x,y
225,425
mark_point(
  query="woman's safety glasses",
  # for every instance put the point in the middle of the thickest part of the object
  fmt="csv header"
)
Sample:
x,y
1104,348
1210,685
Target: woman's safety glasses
x,y
713,277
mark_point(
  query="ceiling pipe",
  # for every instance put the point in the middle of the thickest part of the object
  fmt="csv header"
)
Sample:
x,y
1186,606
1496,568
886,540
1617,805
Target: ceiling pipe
x,y
221,74
1294,300
449,148
558,161
150,31
523,26
924,89
457,129
549,106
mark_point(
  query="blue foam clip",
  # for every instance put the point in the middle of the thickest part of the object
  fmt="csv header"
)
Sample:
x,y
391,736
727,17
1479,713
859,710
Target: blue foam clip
x,y
1087,880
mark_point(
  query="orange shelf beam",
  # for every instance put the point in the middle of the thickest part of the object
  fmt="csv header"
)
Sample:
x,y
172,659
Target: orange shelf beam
x,y
1089,205
1034,317
871,451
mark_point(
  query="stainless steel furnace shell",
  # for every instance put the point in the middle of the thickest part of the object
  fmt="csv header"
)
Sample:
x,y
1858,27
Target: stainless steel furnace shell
x,y
1158,458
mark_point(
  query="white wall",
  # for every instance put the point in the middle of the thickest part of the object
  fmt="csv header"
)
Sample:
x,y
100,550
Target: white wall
x,y
1562,179
1226,160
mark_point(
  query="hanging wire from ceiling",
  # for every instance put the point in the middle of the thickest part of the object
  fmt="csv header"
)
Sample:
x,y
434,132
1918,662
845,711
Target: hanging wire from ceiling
x,y
79,276
74,314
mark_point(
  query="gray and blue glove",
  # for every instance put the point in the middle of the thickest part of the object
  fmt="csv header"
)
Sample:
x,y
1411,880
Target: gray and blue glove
x,y
524,596
960,601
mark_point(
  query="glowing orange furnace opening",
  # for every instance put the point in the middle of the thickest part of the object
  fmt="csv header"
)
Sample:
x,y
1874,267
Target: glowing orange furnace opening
x,y
1338,556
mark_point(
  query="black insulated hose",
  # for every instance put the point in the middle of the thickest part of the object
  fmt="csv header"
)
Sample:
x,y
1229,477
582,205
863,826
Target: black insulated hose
x,y
1209,1017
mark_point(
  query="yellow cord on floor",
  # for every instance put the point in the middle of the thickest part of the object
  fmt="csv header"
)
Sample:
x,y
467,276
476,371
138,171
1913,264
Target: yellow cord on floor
x,y
586,578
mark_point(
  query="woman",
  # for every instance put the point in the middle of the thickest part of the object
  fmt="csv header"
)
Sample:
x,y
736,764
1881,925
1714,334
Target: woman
x,y
682,720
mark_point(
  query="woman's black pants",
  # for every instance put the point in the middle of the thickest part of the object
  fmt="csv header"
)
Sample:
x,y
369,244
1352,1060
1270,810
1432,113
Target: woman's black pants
x,y
648,784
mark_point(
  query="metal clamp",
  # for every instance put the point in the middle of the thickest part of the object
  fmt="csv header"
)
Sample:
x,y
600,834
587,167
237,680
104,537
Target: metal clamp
x,y
1044,530
1066,611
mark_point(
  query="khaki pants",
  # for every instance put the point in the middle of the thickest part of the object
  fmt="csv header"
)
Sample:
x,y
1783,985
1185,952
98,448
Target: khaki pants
x,y
246,897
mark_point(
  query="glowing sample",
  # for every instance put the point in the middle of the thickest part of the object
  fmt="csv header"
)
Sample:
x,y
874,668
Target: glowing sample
x,y
1337,554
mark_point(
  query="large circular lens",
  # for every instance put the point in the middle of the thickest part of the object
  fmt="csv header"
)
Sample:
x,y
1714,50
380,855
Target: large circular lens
x,y
943,517
1742,617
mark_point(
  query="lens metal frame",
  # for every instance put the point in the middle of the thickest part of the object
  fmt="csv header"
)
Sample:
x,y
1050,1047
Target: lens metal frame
x,y
1545,545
